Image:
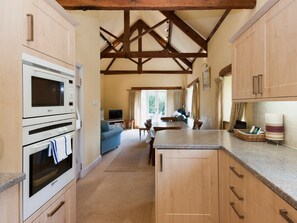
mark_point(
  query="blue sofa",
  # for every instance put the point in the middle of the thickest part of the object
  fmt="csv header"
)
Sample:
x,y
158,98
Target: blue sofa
x,y
110,137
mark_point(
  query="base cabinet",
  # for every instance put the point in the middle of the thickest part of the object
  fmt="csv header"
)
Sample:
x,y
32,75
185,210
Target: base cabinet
x,y
60,209
186,186
10,205
245,199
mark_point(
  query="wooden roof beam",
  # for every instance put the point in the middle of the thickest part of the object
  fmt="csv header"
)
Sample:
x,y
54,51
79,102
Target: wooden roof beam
x,y
115,43
165,44
118,72
218,25
155,4
152,54
126,41
148,30
191,33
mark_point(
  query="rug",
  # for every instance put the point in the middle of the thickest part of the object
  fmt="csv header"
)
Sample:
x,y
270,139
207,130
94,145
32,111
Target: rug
x,y
133,157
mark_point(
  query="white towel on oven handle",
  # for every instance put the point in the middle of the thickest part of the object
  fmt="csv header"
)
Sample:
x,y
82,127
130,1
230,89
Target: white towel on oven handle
x,y
58,149
68,144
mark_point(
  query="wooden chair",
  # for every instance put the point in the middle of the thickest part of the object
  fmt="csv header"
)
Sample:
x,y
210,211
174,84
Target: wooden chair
x,y
148,126
197,124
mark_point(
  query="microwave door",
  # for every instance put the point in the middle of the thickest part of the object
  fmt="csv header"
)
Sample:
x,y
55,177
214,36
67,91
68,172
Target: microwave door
x,y
44,92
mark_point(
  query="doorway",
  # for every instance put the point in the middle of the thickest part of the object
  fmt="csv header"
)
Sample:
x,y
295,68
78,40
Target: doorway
x,y
153,104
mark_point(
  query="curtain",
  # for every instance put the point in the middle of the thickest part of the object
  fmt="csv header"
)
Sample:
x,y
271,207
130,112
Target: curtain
x,y
170,102
134,107
219,103
131,105
237,112
137,109
196,101
178,99
175,100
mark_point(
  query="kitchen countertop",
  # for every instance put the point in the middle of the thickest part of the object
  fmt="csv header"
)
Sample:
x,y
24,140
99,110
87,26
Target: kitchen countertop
x,y
8,180
274,165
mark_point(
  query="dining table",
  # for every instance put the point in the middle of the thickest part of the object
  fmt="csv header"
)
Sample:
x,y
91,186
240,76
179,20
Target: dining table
x,y
161,126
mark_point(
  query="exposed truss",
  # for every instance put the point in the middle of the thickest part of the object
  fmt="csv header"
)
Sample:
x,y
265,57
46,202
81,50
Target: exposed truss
x,y
156,5
181,59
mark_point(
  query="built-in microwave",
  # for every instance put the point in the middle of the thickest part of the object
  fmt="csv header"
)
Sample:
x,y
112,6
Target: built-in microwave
x,y
48,89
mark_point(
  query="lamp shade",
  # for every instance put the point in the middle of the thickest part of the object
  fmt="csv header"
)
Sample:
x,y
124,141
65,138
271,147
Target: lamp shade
x,y
274,126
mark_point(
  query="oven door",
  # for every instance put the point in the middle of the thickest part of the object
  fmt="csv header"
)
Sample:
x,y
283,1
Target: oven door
x,y
44,178
46,92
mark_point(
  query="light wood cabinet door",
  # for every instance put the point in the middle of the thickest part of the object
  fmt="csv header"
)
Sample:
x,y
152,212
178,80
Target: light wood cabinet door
x,y
46,31
281,50
275,208
187,186
9,205
248,64
63,210
232,193
259,204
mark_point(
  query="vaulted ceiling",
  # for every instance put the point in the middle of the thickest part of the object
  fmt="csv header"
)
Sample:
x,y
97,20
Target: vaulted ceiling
x,y
159,41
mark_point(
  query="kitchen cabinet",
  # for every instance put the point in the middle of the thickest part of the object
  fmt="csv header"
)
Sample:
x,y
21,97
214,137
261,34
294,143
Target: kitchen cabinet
x,y
61,208
10,205
247,64
53,30
244,198
48,32
265,62
186,186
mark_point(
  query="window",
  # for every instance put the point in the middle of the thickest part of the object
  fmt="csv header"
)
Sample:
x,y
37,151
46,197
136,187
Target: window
x,y
227,98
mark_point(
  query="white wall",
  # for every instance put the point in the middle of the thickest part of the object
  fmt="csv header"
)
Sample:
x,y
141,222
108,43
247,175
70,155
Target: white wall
x,y
88,54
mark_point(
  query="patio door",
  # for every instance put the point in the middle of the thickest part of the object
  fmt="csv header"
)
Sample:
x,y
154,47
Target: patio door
x,y
156,104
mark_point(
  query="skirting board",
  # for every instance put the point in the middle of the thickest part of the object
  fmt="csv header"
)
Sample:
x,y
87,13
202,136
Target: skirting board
x,y
88,168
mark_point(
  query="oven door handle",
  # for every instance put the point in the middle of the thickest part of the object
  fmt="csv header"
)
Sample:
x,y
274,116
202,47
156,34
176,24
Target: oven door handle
x,y
41,145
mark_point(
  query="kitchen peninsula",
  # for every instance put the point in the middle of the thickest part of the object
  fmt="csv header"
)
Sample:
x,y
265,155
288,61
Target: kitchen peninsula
x,y
216,175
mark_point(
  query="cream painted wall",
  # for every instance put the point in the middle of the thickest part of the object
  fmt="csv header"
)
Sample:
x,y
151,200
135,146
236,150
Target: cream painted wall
x,y
87,51
115,88
219,56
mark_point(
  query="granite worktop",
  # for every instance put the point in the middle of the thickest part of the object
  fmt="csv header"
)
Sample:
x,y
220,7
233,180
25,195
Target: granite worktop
x,y
8,180
274,165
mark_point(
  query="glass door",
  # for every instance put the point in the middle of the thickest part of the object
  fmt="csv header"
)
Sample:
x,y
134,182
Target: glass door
x,y
156,105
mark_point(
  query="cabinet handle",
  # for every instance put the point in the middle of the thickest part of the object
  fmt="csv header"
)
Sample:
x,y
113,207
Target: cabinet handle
x,y
237,213
236,195
232,168
161,162
30,34
260,79
255,84
284,214
56,209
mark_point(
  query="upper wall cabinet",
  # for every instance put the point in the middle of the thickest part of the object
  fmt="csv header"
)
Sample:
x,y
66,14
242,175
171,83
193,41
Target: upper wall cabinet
x,y
248,63
265,56
47,31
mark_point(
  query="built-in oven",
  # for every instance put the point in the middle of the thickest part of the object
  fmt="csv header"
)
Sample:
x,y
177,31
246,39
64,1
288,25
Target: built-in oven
x,y
44,178
48,89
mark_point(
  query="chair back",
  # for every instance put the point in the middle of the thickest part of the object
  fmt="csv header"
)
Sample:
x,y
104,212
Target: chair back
x,y
148,126
197,124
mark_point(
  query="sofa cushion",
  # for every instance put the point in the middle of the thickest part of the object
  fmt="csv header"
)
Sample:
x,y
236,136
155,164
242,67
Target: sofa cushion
x,y
105,126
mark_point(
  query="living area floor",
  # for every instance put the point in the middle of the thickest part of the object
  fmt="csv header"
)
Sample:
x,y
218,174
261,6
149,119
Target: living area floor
x,y
121,189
